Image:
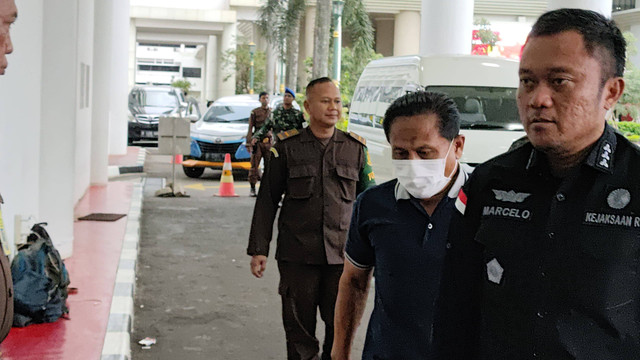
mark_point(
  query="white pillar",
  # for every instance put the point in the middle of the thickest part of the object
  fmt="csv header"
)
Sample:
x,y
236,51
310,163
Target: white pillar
x,y
58,120
406,33
228,87
211,71
118,126
101,92
20,111
84,102
133,46
308,44
601,6
271,68
446,27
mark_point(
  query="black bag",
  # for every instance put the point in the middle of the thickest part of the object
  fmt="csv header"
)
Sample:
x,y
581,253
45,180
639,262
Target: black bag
x,y
40,281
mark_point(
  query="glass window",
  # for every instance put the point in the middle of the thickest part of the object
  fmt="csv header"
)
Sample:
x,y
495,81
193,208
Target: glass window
x,y
162,98
484,107
228,113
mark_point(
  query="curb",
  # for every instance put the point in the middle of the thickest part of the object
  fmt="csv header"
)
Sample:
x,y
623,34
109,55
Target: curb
x,y
114,171
117,341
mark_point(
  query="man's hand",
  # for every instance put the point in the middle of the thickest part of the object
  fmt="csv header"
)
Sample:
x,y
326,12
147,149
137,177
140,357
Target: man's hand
x,y
258,265
254,141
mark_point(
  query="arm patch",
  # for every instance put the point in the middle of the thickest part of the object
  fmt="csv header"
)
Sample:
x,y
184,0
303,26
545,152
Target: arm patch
x,y
358,138
287,134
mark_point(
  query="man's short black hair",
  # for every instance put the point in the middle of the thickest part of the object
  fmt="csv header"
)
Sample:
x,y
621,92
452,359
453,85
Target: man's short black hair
x,y
262,94
423,103
602,38
315,82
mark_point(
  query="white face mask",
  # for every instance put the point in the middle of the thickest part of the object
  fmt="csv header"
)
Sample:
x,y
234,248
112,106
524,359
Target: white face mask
x,y
423,178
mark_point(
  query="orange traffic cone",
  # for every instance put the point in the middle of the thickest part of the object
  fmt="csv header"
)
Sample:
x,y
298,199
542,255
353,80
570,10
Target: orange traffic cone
x,y
226,181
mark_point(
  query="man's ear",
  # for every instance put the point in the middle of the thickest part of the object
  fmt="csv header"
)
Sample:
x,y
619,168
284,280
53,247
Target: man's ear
x,y
306,105
458,145
612,91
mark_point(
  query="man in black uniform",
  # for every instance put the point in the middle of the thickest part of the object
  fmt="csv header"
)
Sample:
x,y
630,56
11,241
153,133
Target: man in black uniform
x,y
320,170
546,264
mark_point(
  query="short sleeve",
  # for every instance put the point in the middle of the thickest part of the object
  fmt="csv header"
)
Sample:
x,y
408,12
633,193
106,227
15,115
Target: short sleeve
x,y
359,251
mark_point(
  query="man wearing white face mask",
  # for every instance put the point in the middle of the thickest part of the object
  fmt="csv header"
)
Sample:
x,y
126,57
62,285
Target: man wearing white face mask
x,y
399,231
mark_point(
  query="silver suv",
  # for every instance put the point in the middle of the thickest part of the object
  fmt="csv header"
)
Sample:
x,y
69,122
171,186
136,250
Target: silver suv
x,y
148,103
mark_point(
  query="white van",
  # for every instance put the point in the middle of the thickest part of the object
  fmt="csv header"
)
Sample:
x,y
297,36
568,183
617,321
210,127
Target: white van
x,y
484,89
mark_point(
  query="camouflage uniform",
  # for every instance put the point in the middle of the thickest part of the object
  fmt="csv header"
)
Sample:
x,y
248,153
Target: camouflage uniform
x,y
281,119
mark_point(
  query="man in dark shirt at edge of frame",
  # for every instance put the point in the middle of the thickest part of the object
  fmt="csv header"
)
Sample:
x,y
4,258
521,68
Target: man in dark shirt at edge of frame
x,y
545,262
399,231
320,170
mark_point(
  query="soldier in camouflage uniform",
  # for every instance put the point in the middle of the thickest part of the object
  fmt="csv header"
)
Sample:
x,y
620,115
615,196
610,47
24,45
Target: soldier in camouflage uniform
x,y
282,119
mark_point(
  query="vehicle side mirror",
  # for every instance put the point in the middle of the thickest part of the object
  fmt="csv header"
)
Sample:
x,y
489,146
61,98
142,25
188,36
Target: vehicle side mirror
x,y
193,118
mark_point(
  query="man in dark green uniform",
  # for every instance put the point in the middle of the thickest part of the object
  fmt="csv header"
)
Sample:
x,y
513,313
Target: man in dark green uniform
x,y
320,170
283,118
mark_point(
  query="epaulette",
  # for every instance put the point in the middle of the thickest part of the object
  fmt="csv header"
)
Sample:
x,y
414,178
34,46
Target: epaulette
x,y
358,138
287,134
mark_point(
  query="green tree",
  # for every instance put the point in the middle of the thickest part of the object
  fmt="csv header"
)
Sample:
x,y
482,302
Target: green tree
x,y
629,103
280,24
352,67
242,68
183,84
486,35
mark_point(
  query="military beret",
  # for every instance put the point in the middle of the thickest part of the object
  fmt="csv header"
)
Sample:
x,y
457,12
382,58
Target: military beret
x,y
289,91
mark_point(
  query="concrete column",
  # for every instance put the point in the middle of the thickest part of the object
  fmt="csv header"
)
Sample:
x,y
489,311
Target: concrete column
x,y
406,39
101,92
271,68
446,27
58,120
20,112
211,71
133,41
118,126
84,103
601,6
307,45
384,36
228,87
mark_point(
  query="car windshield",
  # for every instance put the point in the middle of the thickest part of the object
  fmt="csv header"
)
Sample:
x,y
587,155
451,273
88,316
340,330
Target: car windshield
x,y
228,113
160,98
483,107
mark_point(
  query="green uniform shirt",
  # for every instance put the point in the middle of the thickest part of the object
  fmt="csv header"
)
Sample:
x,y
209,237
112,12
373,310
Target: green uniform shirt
x,y
281,119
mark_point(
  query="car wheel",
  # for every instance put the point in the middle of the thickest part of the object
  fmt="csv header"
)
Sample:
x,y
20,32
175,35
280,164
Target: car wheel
x,y
193,172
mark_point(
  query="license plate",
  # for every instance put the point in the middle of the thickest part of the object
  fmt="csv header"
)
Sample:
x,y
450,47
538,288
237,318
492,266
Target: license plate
x,y
213,157
149,134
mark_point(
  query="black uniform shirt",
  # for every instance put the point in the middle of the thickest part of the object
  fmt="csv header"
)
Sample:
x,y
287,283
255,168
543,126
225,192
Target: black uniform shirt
x,y
549,265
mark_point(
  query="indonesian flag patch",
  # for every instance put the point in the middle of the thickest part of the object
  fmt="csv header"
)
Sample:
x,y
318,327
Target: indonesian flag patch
x,y
461,202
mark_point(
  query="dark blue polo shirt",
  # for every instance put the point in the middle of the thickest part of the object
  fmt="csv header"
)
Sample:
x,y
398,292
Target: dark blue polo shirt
x,y
391,232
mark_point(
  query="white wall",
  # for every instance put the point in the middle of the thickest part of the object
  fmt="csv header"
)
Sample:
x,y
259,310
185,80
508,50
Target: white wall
x,y
58,124
83,98
20,107
184,4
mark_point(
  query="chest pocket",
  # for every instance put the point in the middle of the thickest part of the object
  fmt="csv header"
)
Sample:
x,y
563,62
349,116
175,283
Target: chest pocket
x,y
348,178
300,184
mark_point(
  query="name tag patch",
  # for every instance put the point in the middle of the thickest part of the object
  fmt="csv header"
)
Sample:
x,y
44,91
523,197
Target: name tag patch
x,y
628,221
507,212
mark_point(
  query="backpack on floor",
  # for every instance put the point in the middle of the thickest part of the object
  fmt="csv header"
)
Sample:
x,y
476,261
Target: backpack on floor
x,y
40,281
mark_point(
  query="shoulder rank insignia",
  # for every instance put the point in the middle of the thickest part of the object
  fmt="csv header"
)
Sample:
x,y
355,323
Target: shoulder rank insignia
x,y
358,138
274,152
287,134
